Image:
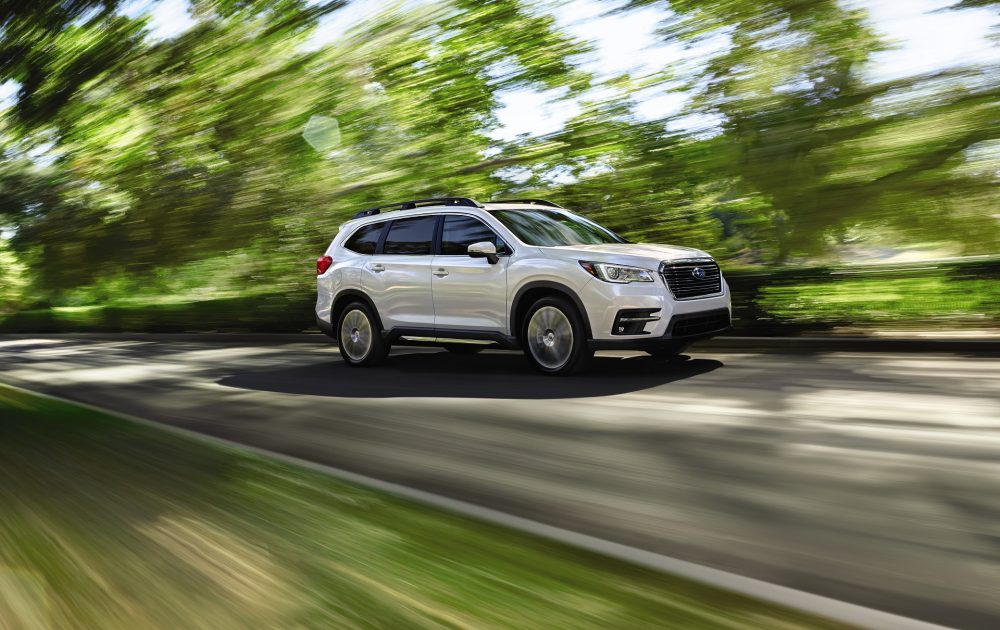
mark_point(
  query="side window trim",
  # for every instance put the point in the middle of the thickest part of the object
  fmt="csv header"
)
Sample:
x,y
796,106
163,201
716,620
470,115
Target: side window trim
x,y
440,235
386,226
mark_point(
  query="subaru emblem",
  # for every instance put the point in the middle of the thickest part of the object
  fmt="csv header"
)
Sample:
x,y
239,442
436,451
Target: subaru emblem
x,y
698,273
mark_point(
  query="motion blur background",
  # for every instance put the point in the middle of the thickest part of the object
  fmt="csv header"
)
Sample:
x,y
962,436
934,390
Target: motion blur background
x,y
179,165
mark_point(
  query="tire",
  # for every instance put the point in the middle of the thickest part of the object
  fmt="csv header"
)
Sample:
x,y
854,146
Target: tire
x,y
554,337
359,337
463,348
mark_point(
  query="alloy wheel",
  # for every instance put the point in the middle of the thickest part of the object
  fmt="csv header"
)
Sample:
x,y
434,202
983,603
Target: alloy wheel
x,y
550,337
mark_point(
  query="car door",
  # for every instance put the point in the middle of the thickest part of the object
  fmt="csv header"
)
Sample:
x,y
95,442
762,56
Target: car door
x,y
398,276
469,293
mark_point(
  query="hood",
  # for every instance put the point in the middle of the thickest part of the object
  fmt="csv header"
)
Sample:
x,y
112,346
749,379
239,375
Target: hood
x,y
646,255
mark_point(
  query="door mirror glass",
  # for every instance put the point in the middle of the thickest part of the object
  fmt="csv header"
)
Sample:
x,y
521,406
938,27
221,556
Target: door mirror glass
x,y
485,250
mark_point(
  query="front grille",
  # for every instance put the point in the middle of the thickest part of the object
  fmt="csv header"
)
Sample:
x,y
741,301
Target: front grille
x,y
693,324
683,280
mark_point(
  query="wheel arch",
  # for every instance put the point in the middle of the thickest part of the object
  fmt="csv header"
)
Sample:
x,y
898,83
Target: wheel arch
x,y
345,297
533,291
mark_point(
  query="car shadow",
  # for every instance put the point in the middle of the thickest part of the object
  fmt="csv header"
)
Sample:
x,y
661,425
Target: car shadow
x,y
486,375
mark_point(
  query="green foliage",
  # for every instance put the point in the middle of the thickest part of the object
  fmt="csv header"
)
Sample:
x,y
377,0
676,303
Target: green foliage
x,y
825,148
13,279
916,296
911,301
178,168
269,312
52,48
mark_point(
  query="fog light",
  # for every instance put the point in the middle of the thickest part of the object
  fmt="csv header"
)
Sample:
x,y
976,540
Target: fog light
x,y
633,321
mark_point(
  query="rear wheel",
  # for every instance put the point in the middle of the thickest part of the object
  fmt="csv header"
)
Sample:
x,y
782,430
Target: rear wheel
x,y
554,338
359,337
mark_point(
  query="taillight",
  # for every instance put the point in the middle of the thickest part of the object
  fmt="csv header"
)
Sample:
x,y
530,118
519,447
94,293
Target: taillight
x,y
322,264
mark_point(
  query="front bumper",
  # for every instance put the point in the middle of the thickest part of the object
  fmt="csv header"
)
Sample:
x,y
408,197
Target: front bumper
x,y
681,329
605,301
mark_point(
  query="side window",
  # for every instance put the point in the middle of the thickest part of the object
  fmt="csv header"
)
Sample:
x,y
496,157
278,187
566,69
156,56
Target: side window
x,y
365,239
410,236
459,232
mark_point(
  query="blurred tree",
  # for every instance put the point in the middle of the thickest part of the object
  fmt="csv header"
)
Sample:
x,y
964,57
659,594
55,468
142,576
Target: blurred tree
x,y
53,47
141,167
821,147
631,175
193,148
13,279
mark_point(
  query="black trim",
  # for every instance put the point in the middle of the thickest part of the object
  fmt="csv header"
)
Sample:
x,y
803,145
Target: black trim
x,y
382,237
325,327
393,336
702,322
410,205
560,288
438,230
632,321
667,338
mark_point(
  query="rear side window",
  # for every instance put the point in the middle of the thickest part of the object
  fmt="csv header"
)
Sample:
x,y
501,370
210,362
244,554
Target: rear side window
x,y
459,232
410,236
365,239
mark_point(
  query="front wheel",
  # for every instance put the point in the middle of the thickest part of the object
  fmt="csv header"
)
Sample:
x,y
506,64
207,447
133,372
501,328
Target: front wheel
x,y
359,338
554,338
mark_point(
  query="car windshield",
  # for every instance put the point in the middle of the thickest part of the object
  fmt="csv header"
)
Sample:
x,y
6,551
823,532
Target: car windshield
x,y
548,228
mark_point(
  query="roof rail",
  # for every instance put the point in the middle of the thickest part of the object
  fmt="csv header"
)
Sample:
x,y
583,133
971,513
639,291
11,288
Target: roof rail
x,y
415,203
540,202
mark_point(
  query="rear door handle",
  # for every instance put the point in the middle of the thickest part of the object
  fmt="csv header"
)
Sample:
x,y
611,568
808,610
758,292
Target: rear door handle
x,y
377,267
440,273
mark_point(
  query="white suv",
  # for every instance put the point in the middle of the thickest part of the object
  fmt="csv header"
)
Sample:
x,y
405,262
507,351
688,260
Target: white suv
x,y
524,273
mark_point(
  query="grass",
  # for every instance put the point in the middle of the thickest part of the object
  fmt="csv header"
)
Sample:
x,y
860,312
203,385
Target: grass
x,y
870,300
110,524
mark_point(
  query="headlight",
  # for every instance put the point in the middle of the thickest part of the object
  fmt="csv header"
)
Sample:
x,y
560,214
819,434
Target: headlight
x,y
621,274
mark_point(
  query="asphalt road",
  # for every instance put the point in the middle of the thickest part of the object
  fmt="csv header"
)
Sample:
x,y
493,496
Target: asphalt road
x,y
870,478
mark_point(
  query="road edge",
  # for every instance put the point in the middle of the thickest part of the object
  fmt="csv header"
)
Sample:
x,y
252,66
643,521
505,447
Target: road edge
x,y
979,346
818,605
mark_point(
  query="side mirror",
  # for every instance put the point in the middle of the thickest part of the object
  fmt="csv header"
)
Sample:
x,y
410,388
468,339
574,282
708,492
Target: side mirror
x,y
485,250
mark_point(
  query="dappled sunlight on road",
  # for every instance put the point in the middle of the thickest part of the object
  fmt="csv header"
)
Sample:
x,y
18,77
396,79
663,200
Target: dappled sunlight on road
x,y
906,409
110,525
864,477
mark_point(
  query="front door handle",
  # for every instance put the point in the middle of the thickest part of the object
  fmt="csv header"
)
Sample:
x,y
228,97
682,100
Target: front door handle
x,y
440,273
377,267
